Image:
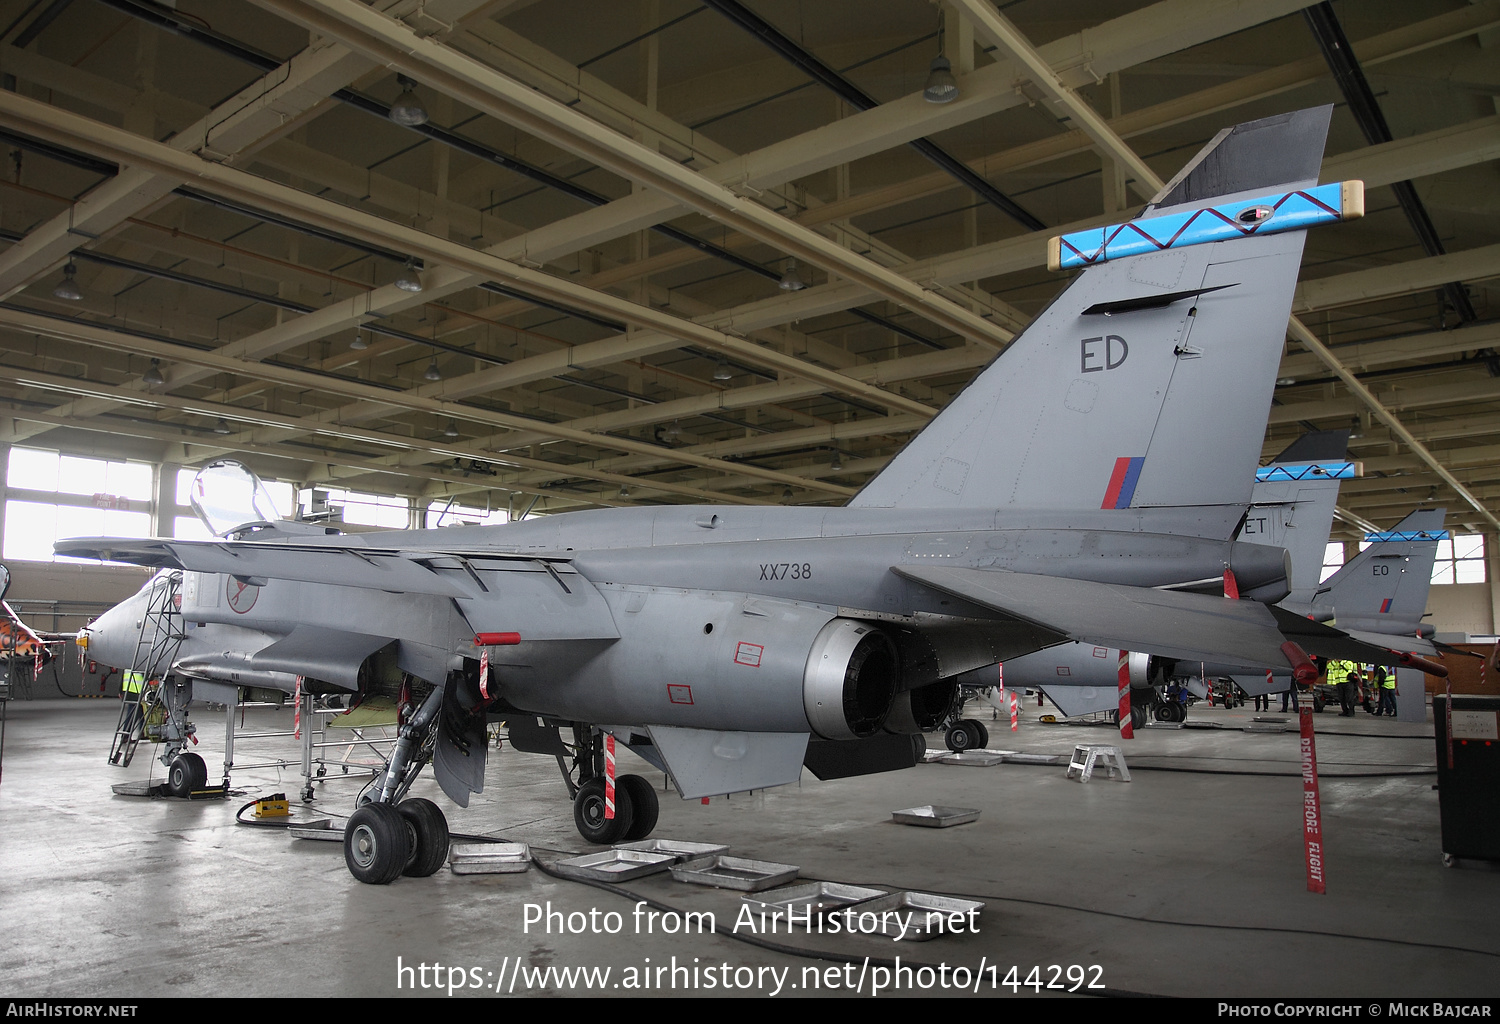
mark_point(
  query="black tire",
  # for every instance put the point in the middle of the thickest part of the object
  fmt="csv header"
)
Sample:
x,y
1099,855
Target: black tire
x,y
961,737
377,844
645,807
429,833
182,776
200,770
588,813
1137,717
1317,703
981,731
1163,712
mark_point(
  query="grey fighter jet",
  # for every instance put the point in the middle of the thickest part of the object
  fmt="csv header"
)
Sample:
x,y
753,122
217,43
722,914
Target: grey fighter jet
x,y
1085,486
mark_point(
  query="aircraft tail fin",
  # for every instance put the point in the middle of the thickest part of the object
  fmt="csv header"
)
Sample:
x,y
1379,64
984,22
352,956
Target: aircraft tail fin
x,y
1147,381
1293,502
1383,589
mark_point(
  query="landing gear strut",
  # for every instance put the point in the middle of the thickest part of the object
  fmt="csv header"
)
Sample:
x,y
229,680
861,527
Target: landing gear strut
x,y
389,837
636,805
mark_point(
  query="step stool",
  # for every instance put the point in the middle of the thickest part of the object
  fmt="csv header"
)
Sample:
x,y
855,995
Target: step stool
x,y
1088,756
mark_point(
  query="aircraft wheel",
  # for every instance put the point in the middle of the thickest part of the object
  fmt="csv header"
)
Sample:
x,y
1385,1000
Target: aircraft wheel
x,y
1137,717
981,732
429,833
961,737
588,813
644,805
183,775
200,770
1164,712
377,844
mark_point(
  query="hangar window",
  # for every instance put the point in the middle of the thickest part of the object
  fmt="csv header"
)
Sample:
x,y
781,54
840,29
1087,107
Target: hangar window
x,y
52,496
1460,560
1333,560
451,513
362,509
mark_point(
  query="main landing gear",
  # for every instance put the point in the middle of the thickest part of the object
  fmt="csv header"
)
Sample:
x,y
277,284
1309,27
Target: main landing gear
x,y
388,836
636,805
384,841
967,734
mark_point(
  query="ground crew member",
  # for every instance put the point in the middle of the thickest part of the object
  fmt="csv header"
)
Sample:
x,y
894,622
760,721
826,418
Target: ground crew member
x,y
1386,682
131,685
1343,676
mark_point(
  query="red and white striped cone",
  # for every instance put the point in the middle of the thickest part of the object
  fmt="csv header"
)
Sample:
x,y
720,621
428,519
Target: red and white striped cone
x,y
609,777
1127,731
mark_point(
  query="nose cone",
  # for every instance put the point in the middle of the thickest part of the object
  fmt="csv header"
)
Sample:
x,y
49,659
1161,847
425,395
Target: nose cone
x,y
109,639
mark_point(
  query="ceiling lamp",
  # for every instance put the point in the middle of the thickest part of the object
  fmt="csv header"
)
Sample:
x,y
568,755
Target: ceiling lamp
x,y
722,371
624,491
673,431
432,372
67,288
221,427
790,281
153,376
408,110
941,86
836,463
452,429
359,344
409,280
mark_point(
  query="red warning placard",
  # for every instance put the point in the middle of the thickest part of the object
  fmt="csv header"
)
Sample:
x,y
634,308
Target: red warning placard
x,y
748,654
1312,810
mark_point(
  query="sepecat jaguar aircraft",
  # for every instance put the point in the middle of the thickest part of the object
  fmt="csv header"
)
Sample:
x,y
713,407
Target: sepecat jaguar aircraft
x,y
1087,485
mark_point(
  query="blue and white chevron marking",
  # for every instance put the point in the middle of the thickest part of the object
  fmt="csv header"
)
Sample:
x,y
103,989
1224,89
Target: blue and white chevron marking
x,y
1307,471
1265,215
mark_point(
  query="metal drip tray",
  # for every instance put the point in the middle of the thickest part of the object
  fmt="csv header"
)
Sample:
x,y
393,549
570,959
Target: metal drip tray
x,y
675,848
924,915
615,865
818,897
488,858
735,873
930,816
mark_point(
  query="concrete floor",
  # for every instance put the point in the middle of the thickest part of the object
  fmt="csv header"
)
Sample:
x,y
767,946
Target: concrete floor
x,y
1187,881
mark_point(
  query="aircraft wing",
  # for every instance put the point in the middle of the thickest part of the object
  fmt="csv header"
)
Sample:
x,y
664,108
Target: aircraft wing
x,y
542,598
444,573
1193,627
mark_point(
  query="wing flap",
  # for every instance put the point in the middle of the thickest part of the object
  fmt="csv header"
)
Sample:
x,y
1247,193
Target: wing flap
x,y
1193,627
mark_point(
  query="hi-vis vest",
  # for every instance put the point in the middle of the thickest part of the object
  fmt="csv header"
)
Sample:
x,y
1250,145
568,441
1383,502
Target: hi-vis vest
x,y
1338,671
132,682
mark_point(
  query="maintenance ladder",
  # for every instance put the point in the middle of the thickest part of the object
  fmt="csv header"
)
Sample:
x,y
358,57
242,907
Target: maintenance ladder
x,y
156,647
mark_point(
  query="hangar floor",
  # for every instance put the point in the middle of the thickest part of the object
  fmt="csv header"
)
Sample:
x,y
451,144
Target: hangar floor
x,y
1188,881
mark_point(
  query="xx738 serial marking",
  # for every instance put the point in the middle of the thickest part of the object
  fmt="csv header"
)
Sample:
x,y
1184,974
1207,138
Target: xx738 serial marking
x,y
786,570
